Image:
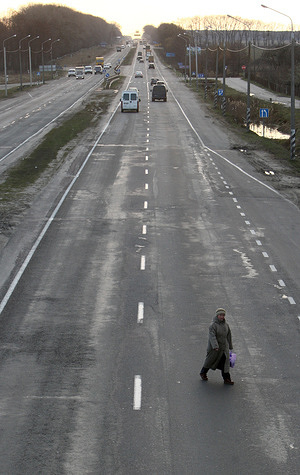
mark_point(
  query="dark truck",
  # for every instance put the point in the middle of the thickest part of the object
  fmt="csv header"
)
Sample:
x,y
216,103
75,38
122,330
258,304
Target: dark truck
x,y
159,93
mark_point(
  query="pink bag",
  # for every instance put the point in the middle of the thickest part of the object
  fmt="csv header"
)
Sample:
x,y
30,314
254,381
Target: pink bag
x,y
232,358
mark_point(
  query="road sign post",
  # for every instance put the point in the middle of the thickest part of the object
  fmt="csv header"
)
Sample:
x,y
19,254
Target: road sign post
x,y
264,114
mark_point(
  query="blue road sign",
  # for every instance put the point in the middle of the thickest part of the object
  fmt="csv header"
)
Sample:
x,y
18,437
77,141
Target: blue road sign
x,y
220,92
264,113
107,75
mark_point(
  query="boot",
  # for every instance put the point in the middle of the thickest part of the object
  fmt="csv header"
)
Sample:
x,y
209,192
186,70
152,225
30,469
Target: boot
x,y
227,379
203,374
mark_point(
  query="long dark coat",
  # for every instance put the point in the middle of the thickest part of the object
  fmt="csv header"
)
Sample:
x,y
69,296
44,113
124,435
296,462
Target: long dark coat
x,y
219,336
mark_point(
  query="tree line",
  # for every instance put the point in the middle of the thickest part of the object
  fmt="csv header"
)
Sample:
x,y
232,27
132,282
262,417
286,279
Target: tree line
x,y
74,30
270,49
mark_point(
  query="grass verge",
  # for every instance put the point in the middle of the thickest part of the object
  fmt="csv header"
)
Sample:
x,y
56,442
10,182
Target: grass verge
x,y
28,170
235,116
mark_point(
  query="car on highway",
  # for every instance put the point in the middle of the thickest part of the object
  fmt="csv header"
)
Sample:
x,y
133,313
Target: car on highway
x,y
159,93
138,74
71,72
98,70
153,81
79,73
107,66
88,70
130,100
151,66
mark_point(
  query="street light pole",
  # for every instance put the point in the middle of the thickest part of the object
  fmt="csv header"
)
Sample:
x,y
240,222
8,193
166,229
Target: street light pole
x,y
196,53
206,48
249,72
51,58
20,59
43,67
29,53
4,58
182,37
216,81
224,74
293,131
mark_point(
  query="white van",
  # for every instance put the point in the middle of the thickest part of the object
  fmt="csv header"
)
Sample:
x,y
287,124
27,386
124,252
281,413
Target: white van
x,y
130,100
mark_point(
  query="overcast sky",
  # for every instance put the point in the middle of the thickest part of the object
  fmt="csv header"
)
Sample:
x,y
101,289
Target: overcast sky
x,y
132,15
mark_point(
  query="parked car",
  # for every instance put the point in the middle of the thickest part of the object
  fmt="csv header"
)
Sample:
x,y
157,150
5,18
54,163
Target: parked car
x,y
88,70
130,100
138,74
71,73
159,93
98,70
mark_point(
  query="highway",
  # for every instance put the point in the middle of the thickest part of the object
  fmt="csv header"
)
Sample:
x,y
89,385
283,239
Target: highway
x,y
26,117
104,321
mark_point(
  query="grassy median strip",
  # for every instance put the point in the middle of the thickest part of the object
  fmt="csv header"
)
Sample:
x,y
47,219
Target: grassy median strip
x,y
27,171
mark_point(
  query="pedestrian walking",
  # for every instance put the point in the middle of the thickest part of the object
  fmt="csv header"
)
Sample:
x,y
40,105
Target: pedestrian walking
x,y
219,344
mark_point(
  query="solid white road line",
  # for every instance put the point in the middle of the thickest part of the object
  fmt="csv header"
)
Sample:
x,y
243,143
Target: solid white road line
x,y
143,263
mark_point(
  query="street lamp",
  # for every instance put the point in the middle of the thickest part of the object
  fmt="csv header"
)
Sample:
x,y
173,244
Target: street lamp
x,y
293,131
20,59
43,67
4,57
184,39
249,72
190,59
29,53
216,80
224,72
51,57
196,53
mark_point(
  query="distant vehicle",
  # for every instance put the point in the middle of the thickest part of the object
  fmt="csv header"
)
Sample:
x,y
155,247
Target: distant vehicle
x,y
141,60
130,100
98,70
138,74
159,93
99,60
151,58
71,72
122,46
118,49
79,72
151,66
153,81
107,66
88,70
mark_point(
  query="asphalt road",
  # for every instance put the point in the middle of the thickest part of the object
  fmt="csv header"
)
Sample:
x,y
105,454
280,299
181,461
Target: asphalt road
x,y
27,116
241,85
104,330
